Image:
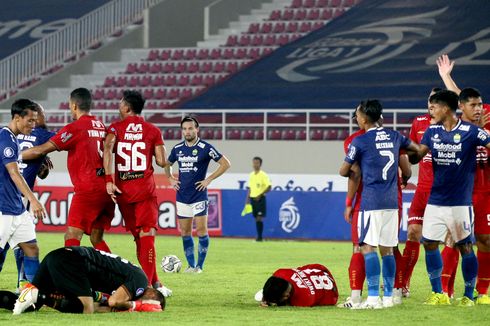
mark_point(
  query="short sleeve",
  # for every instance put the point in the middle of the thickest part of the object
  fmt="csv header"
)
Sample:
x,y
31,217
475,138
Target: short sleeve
x,y
9,151
46,136
112,129
172,157
64,139
413,131
426,139
483,138
267,180
353,153
214,154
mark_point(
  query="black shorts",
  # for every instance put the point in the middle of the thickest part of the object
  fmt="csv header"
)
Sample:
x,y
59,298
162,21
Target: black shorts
x,y
63,271
259,207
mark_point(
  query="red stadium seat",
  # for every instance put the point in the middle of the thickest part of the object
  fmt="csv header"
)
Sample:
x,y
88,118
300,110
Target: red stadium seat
x,y
253,28
301,134
181,68
98,94
165,55
300,15
270,40
170,81
193,68
326,14
133,81
288,134
233,134
215,54
244,40
316,134
219,67
232,40
143,68
228,54
160,94
248,134
151,105
339,12
131,68
209,80
186,93
240,54
297,4
203,54
183,80
152,55
305,27
206,67
157,81
335,3
231,67
292,27
173,94
109,81
190,54
178,55
266,28
110,95
196,80
148,93
257,40
313,14
156,68
317,25
145,81
275,134
279,28
168,68
275,15
322,3
218,134
282,40
253,54
288,15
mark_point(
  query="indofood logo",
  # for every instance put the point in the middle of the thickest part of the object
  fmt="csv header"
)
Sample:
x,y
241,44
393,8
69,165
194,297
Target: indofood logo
x,y
358,48
289,215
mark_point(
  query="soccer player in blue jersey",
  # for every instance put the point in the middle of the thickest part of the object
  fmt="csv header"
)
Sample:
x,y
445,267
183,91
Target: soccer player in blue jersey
x,y
16,223
377,152
453,144
30,170
193,156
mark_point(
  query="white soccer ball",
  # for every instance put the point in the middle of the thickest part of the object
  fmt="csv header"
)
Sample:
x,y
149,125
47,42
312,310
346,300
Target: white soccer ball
x,y
171,264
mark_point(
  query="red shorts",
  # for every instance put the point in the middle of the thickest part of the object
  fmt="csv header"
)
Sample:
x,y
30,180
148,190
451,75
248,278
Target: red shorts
x,y
91,211
417,207
481,207
141,215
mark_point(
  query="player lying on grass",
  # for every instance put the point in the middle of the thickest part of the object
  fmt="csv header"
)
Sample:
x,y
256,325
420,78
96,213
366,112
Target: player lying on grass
x,y
306,286
71,274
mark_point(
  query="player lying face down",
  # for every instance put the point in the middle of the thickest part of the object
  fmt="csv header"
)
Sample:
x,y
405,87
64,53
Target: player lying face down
x,y
306,286
68,276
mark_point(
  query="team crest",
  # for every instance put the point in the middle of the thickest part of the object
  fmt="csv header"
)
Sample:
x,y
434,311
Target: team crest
x,y
194,152
8,152
457,138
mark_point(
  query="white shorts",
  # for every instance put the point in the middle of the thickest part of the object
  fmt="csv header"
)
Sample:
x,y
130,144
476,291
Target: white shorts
x,y
16,229
190,210
438,220
378,228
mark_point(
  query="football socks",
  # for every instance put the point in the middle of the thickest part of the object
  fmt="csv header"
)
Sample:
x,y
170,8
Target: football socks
x,y
433,260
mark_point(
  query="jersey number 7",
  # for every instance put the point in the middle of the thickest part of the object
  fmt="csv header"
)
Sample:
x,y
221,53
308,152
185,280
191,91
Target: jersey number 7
x,y
391,161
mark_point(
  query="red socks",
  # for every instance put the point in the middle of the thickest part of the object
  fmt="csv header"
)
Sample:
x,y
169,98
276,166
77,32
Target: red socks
x,y
483,279
146,256
410,258
357,272
400,264
450,260
72,243
102,246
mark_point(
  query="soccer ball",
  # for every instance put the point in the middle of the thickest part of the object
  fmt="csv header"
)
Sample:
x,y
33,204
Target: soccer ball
x,y
171,264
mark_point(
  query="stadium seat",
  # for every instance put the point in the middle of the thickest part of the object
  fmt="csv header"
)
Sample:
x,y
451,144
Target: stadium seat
x,y
156,68
121,81
275,15
316,134
219,67
279,28
300,15
190,54
133,81
165,55
287,15
196,80
275,134
296,4
248,134
160,94
301,134
157,81
145,81
233,134
326,14
309,3
288,134
322,3
109,81
335,3
240,54
313,14
218,134
98,94
148,93
170,81
131,68
178,55
232,40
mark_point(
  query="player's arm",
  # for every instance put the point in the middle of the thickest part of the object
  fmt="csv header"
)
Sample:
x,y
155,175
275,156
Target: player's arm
x,y
352,186
224,164
445,67
174,182
416,152
160,156
345,169
405,168
38,151
247,199
111,188
20,182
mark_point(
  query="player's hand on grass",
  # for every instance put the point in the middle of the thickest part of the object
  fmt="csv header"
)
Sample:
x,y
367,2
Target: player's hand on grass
x,y
113,191
445,65
37,209
175,183
202,185
348,214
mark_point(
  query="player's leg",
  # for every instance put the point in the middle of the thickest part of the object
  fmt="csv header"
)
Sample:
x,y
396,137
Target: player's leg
x,y
97,240
31,258
202,233
186,216
102,223
481,204
5,234
258,210
25,236
3,254
388,240
19,262
450,261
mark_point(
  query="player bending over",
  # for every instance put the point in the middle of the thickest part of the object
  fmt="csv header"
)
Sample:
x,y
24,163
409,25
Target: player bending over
x,y
305,286
68,276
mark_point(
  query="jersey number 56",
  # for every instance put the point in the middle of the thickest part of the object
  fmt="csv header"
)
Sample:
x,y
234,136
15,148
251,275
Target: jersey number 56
x,y
134,159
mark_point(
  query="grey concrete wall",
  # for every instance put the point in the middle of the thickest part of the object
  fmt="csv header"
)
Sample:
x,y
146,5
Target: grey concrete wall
x,y
180,23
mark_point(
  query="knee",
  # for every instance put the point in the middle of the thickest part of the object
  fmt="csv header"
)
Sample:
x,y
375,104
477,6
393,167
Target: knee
x,y
201,232
483,242
31,250
73,234
465,248
431,245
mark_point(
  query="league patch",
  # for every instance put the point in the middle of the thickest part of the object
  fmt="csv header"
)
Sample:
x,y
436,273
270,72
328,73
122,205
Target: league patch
x,y
66,137
139,291
8,152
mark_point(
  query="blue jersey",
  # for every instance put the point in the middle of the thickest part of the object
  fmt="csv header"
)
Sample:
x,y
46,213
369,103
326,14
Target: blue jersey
x,y
37,137
10,196
453,162
377,152
193,165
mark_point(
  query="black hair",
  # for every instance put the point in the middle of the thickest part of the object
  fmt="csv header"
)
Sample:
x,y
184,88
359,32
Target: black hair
x,y
372,109
273,291
135,100
435,89
22,106
258,159
468,93
189,118
447,98
153,294
82,98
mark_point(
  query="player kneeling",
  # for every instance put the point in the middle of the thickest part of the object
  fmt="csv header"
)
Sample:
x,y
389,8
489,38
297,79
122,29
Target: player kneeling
x,y
306,286
68,276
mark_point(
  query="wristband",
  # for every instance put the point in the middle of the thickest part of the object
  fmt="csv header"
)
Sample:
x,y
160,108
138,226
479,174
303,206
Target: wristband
x,y
348,202
108,178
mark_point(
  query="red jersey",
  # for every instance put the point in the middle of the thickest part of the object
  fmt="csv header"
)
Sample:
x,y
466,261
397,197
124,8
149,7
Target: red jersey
x,y
134,149
83,139
347,142
426,175
313,285
482,173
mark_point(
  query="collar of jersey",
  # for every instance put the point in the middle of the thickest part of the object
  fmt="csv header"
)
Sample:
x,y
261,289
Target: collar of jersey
x,y
197,142
10,131
374,128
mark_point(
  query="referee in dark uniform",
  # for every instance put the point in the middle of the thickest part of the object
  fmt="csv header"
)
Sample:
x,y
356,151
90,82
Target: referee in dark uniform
x,y
73,273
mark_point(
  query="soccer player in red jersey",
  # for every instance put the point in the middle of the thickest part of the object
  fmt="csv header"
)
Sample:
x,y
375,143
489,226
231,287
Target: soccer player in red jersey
x,y
91,209
473,111
135,142
419,201
306,286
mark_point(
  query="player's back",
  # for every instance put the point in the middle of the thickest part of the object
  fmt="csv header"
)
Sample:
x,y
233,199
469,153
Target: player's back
x,y
10,196
482,174
313,285
347,143
379,151
419,126
83,139
135,148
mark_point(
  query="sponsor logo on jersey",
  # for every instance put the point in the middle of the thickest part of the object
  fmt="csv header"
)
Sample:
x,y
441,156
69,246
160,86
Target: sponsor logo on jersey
x,y
352,152
66,137
8,152
134,127
212,152
97,124
202,145
289,215
125,176
482,135
382,136
464,128
435,138
448,147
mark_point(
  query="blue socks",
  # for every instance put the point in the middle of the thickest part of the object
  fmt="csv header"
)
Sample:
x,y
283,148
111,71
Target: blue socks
x,y
469,266
202,250
433,261
31,265
389,269
19,261
373,271
189,250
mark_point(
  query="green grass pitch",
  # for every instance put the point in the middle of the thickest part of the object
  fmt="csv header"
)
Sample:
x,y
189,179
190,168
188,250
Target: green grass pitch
x,y
235,269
